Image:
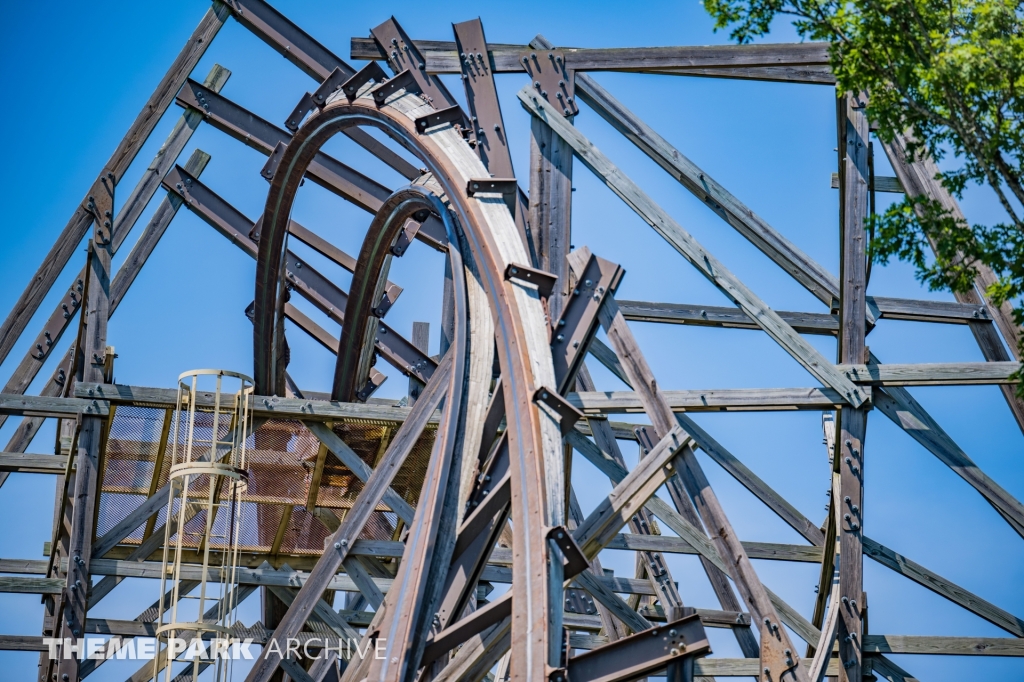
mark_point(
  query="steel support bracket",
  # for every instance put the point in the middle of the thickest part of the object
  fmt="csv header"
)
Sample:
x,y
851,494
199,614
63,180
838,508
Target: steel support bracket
x,y
305,105
370,72
374,382
507,187
406,236
545,281
575,561
551,79
384,90
387,300
269,169
452,115
403,55
568,414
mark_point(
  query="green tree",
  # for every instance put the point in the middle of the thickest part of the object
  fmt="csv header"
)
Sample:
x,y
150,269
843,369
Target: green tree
x,y
950,74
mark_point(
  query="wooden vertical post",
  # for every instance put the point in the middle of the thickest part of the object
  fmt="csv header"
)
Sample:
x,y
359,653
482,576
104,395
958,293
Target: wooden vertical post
x,y
73,601
550,201
853,168
420,339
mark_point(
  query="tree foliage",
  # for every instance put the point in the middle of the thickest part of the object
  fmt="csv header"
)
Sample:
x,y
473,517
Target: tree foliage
x,y
948,73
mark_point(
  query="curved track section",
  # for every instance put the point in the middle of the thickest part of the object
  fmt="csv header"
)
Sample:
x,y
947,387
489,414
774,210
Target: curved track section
x,y
491,241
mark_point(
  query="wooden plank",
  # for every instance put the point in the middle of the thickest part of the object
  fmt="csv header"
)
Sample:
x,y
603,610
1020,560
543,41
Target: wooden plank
x,y
31,585
687,246
16,462
943,312
722,316
755,550
70,238
784,253
712,400
22,643
275,407
946,646
931,374
48,406
442,56
882,183
854,144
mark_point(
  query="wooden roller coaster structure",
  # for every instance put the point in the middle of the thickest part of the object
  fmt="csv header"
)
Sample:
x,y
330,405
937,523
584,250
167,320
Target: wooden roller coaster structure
x,y
416,509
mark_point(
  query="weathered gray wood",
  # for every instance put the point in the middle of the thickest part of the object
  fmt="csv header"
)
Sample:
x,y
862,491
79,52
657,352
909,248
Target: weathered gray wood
x,y
712,400
550,201
308,410
849,457
687,246
931,374
16,462
949,646
123,155
442,57
882,183
31,585
47,406
946,312
603,593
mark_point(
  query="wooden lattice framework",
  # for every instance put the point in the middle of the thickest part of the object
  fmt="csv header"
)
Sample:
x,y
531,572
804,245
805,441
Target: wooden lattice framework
x,y
489,497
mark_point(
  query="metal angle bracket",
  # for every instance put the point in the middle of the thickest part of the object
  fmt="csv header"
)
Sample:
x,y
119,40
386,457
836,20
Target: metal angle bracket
x,y
269,169
551,79
295,118
408,234
374,382
383,90
578,601
545,281
507,187
451,115
568,414
387,300
350,88
575,561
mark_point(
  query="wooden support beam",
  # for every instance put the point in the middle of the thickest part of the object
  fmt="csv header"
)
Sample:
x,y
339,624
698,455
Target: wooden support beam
x,y
696,254
849,453
943,312
551,201
931,374
16,462
799,63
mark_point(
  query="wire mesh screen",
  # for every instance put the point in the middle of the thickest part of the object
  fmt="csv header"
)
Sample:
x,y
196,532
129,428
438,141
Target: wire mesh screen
x,y
282,464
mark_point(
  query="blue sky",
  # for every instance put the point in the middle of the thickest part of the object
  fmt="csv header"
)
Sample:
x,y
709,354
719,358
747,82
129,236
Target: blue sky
x,y
76,75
